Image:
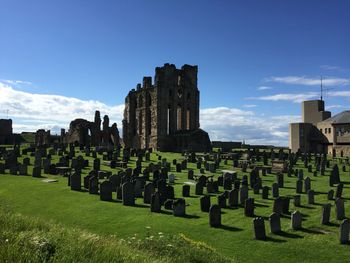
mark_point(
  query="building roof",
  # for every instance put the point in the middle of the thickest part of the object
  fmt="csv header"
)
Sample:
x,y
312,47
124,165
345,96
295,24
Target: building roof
x,y
340,118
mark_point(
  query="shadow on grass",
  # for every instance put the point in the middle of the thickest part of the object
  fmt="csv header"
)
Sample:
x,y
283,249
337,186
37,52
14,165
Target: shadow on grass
x,y
191,216
141,205
272,239
229,228
260,205
332,224
311,231
288,235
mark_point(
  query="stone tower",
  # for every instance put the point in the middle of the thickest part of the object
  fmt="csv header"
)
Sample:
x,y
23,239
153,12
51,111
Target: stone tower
x,y
165,115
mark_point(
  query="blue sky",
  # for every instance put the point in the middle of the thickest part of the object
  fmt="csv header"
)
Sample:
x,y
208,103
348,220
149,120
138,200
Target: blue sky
x,y
257,59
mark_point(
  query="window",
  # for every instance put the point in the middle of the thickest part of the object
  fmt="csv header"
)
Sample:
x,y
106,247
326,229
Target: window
x,y
326,131
321,130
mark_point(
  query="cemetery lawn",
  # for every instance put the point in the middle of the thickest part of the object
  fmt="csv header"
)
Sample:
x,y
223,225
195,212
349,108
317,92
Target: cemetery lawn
x,y
54,205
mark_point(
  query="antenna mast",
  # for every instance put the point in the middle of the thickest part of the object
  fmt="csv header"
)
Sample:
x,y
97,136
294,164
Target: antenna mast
x,y
321,88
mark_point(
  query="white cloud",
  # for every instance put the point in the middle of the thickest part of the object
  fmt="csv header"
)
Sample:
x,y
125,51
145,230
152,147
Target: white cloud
x,y
296,98
230,124
301,80
15,82
36,111
333,68
264,88
335,107
250,106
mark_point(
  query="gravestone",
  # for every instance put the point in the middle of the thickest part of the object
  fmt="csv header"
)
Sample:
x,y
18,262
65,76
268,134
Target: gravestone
x,y
205,203
186,190
265,192
75,182
344,231
259,228
326,214
155,202
296,220
311,197
275,223
243,194
330,195
339,191
23,169
299,186
36,171
149,191
215,216
222,200
106,191
199,188
339,209
307,184
280,180
233,198
275,190
249,207
128,194
179,207
297,200
93,185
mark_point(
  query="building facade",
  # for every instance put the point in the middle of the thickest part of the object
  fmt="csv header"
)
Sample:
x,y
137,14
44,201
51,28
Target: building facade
x,y
164,115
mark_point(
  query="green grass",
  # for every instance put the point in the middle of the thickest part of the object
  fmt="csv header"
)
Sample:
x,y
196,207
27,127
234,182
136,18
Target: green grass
x,y
56,203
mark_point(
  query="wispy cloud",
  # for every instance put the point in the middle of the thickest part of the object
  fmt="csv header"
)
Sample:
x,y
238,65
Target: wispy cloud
x,y
264,88
301,80
296,98
15,82
250,106
238,125
35,111
335,107
334,68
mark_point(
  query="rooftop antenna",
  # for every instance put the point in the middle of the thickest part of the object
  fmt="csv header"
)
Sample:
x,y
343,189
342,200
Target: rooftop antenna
x,y
321,88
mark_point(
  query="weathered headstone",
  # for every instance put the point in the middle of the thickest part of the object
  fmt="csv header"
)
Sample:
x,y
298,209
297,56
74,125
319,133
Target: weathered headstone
x,y
344,231
243,194
215,216
128,194
310,197
326,214
339,209
106,191
275,223
233,197
75,182
179,207
205,203
296,220
186,190
249,207
259,228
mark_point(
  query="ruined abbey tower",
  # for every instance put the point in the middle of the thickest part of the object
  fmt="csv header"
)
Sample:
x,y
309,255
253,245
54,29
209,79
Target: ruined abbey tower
x,y
164,115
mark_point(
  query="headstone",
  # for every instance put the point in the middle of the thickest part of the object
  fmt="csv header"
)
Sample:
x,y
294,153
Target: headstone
x,y
106,191
199,188
93,185
233,198
344,231
149,191
311,197
75,182
179,207
37,171
243,194
259,228
275,223
215,216
128,194
186,190
297,201
296,220
307,184
249,207
275,190
339,209
326,214
265,192
339,191
330,195
155,202
299,186
222,200
205,203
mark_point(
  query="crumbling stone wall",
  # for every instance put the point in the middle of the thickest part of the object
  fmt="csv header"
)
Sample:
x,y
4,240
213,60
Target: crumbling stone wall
x,y
164,115
42,137
85,132
6,132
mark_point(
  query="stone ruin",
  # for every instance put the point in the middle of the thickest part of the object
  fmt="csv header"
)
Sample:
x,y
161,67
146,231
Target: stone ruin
x,y
84,132
42,137
165,115
6,133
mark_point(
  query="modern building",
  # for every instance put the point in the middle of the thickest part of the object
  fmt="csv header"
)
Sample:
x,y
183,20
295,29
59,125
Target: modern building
x,y
319,132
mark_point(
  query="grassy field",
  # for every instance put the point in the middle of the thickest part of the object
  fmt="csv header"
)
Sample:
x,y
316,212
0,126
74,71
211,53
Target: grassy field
x,y
55,203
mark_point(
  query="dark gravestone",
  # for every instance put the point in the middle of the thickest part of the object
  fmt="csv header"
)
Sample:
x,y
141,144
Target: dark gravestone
x,y
278,205
275,190
259,228
155,203
215,216
233,198
75,182
106,191
199,188
168,204
249,207
265,192
222,200
275,223
179,207
307,184
330,195
23,169
128,195
243,194
149,191
311,197
93,185
37,171
115,180
339,209
186,190
210,188
296,220
326,214
205,203
297,201
299,186
344,231
280,180
119,193
339,191
97,164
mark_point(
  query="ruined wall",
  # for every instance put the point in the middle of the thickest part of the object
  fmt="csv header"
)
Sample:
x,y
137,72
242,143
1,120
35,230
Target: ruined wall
x,y
42,137
157,115
6,132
